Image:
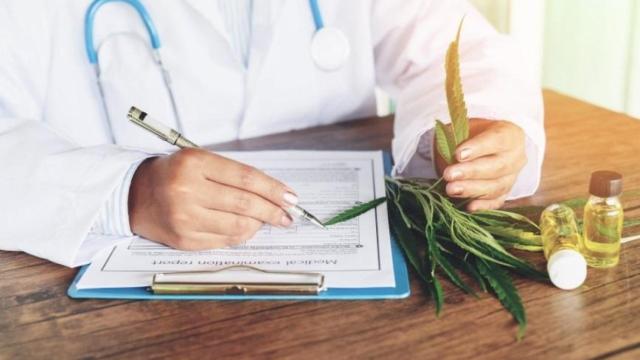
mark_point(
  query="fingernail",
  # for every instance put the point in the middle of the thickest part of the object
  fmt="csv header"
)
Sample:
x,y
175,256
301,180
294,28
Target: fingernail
x,y
290,198
464,154
455,175
456,190
286,221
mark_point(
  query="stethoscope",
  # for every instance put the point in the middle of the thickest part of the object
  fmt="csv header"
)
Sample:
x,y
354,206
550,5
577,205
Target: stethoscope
x,y
330,48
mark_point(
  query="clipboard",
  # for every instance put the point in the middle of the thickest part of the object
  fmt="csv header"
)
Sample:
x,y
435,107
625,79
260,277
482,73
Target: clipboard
x,y
288,285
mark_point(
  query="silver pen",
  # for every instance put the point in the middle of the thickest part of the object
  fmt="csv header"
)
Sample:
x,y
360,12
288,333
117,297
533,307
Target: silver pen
x,y
173,137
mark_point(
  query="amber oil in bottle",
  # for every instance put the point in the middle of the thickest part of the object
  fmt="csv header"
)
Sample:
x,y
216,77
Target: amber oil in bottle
x,y
561,241
603,217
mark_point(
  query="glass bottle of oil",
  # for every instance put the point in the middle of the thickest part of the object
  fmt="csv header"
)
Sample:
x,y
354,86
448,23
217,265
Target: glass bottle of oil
x,y
561,241
603,217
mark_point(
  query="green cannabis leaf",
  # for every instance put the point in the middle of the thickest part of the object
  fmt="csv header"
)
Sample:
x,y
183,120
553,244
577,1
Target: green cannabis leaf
x,y
355,211
511,229
442,241
448,138
503,288
630,223
445,142
455,96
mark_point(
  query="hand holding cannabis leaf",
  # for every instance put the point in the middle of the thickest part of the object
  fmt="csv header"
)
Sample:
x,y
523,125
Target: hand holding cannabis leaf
x,y
485,166
441,240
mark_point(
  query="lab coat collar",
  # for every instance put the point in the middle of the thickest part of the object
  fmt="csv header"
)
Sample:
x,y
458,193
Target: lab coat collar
x,y
265,16
209,10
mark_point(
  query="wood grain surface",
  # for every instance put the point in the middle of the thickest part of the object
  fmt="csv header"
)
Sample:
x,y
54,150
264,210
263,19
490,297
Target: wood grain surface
x,y
599,320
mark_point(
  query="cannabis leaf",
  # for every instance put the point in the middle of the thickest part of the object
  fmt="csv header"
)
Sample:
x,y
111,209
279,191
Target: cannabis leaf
x,y
445,142
355,211
409,242
438,293
503,288
442,241
455,96
511,229
630,223
448,139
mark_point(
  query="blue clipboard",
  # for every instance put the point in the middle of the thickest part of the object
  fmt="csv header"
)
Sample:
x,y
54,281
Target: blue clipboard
x,y
400,291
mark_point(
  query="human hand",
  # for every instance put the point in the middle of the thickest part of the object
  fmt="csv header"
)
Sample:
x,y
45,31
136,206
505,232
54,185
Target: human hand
x,y
194,200
488,164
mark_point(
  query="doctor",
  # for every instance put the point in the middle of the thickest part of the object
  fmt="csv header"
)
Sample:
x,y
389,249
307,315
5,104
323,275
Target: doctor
x,y
74,169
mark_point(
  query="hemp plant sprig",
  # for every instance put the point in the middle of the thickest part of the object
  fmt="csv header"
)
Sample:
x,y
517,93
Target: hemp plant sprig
x,y
448,138
442,241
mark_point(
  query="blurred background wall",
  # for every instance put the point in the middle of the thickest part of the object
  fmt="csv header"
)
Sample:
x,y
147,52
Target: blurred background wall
x,y
589,49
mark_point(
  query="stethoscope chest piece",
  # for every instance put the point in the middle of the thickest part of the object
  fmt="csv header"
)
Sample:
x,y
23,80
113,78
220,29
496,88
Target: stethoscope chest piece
x,y
329,48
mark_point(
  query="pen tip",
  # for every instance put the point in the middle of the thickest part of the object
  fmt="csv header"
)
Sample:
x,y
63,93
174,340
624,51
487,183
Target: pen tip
x,y
319,224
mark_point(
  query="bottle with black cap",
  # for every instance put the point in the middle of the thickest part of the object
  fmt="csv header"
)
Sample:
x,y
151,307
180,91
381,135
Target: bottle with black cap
x,y
603,217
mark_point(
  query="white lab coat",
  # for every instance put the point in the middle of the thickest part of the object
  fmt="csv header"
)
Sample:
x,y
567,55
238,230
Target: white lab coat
x,y
58,167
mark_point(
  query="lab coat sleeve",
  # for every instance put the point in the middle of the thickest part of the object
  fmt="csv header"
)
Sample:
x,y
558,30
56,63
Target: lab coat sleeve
x,y
51,188
113,218
410,41
112,224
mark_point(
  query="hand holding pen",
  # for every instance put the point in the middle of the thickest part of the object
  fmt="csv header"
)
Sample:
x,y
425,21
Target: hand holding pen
x,y
194,199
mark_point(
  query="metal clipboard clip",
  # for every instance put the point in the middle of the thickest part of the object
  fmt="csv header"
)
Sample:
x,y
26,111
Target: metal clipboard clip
x,y
238,280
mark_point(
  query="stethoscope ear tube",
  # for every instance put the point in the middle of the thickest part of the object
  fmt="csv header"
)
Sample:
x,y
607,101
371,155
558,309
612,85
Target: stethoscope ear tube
x,y
329,48
317,15
92,53
89,19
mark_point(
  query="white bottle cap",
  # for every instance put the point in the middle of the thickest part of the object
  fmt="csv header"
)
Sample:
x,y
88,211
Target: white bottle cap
x,y
567,269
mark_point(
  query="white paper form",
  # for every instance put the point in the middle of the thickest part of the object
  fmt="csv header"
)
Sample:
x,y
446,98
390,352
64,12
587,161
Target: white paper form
x,y
353,254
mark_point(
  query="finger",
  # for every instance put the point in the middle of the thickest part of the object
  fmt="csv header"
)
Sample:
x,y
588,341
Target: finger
x,y
201,241
501,136
223,223
229,199
481,189
245,177
213,241
485,168
491,204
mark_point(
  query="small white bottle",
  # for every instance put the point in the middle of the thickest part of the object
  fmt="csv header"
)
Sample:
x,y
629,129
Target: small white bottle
x,y
561,241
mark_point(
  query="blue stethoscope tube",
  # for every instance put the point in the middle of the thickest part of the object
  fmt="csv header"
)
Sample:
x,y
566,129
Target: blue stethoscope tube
x,y
154,39
151,28
90,16
329,47
317,15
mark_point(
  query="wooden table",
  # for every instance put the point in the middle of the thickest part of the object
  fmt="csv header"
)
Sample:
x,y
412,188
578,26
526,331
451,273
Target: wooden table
x,y
601,319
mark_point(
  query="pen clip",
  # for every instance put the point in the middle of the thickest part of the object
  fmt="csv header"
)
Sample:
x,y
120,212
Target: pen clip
x,y
137,117
162,131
